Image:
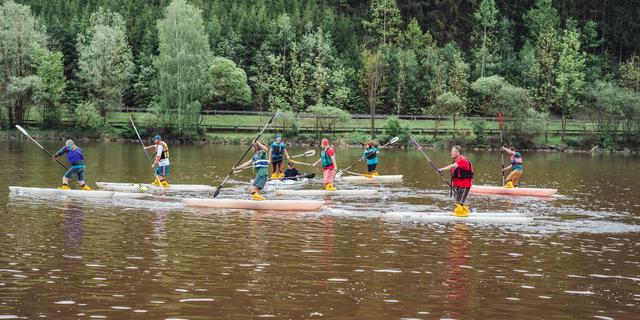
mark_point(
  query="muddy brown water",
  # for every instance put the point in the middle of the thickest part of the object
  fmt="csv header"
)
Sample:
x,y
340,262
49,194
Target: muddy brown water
x,y
153,259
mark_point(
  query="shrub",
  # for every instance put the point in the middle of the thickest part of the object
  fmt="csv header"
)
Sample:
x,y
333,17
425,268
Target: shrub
x,y
393,128
87,116
478,126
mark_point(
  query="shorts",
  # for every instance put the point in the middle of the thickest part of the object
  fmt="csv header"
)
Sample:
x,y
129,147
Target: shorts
x,y
162,171
371,167
260,181
461,194
328,175
77,171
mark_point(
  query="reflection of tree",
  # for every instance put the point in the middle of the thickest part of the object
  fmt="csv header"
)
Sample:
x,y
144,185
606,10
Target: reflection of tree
x,y
457,276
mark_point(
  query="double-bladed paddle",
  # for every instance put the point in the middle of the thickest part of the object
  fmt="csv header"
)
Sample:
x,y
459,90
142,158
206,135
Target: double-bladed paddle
x,y
275,115
419,147
340,171
21,129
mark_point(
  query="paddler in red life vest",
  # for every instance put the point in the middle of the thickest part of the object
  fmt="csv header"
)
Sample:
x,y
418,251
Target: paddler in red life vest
x,y
516,168
161,161
461,177
276,152
76,161
329,164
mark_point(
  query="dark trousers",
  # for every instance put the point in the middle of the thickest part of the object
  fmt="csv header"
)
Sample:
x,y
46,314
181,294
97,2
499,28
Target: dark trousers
x,y
461,194
371,167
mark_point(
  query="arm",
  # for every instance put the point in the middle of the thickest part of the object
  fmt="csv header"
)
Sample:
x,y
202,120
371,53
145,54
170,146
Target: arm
x,y
149,147
269,155
286,153
315,164
262,146
506,168
243,166
509,151
335,163
449,167
156,160
60,152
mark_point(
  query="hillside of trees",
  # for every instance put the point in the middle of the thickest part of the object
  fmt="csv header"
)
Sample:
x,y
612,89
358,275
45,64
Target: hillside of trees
x,y
527,59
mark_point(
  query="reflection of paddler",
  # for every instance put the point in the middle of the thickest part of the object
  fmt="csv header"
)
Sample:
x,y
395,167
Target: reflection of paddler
x,y
457,275
329,164
76,161
260,163
461,180
516,168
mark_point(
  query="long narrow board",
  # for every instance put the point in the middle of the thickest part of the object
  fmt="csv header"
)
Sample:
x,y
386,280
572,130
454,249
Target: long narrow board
x,y
536,192
278,205
364,179
73,193
316,192
138,187
479,217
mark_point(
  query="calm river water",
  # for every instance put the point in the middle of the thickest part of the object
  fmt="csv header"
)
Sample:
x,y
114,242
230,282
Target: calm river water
x,y
146,259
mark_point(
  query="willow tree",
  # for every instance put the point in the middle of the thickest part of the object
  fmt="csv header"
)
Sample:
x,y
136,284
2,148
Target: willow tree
x,y
183,64
19,34
105,61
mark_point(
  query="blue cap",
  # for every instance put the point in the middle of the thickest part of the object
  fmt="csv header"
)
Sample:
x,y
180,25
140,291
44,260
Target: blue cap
x,y
157,137
278,135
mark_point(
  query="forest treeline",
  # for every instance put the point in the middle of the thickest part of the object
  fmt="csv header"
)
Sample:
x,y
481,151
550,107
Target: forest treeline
x,y
527,59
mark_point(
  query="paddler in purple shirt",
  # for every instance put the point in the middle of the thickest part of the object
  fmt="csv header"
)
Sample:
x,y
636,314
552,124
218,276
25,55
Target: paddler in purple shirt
x,y
76,161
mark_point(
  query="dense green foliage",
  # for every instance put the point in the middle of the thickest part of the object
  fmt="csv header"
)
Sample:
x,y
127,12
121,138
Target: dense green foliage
x,y
524,58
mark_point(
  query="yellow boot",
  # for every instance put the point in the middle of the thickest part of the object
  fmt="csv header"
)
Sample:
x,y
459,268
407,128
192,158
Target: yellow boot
x,y
86,188
274,176
467,211
281,175
459,211
64,187
374,173
329,187
509,184
165,184
156,182
258,197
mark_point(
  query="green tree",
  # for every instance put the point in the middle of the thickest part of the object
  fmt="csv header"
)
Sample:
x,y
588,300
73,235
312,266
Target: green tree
x,y
545,68
570,76
542,18
385,20
182,65
371,79
50,70
484,37
228,83
19,33
447,104
630,73
105,60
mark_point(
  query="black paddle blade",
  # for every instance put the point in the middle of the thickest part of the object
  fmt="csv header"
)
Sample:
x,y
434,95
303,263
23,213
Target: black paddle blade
x,y
310,175
215,194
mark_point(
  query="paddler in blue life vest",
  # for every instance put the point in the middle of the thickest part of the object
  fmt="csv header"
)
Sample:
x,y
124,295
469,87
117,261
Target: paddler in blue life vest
x,y
461,180
276,152
76,161
260,163
161,160
516,168
371,154
329,164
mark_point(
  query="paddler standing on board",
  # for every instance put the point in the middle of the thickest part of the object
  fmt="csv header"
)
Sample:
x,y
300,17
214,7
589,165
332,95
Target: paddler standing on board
x,y
276,152
516,168
161,160
76,161
461,180
371,154
329,164
260,162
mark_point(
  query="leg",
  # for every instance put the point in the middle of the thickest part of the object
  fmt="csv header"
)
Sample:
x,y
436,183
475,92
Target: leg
x,y
516,177
258,185
461,194
509,181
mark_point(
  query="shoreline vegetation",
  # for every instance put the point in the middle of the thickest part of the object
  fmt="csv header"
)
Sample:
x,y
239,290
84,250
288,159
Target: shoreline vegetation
x,y
564,77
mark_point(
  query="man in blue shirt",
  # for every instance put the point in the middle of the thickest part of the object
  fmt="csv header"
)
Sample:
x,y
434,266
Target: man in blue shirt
x,y
76,161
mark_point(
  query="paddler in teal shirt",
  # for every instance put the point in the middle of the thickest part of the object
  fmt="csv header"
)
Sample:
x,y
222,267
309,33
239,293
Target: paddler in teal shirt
x,y
371,154
76,161
276,152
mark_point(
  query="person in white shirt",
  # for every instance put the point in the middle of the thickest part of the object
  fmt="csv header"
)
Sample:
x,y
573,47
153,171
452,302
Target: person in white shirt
x,y
161,162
